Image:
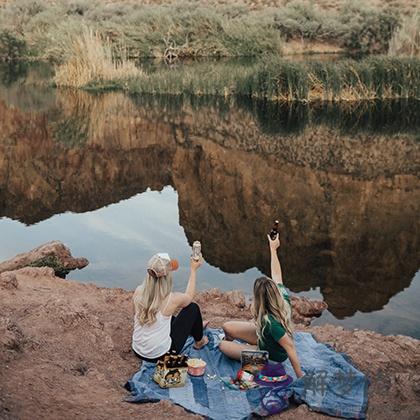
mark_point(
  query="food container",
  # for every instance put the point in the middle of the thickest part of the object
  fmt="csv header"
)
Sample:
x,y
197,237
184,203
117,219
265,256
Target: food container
x,y
196,367
171,371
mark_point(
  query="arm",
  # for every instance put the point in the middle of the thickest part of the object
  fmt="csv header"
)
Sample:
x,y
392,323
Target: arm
x,y
181,300
288,344
195,265
276,274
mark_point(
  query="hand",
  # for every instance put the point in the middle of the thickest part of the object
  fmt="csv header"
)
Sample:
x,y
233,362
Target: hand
x,y
195,265
274,243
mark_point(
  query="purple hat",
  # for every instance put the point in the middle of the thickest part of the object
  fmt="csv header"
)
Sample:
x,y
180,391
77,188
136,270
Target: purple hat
x,y
273,374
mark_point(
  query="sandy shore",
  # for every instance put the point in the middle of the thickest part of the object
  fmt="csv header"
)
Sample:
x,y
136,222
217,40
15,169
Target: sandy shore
x,y
65,351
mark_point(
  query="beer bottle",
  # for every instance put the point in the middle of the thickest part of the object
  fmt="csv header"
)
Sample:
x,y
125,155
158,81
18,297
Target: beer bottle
x,y
196,250
274,230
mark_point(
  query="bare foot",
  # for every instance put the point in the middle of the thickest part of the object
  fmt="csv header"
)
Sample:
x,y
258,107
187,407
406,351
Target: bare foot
x,y
205,324
200,344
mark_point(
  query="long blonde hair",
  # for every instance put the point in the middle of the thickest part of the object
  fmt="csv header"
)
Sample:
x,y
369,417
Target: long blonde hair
x,y
150,296
268,300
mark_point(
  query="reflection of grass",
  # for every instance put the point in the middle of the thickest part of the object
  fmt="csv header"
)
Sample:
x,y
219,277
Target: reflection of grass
x,y
87,118
388,117
72,132
284,80
12,72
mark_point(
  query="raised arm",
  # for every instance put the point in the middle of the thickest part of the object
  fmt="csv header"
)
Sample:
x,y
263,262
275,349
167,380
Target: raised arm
x,y
276,274
191,286
181,300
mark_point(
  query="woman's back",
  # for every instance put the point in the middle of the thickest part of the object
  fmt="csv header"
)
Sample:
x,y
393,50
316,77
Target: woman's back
x,y
153,340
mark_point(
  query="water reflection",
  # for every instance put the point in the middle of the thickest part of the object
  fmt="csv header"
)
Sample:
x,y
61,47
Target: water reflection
x,y
347,190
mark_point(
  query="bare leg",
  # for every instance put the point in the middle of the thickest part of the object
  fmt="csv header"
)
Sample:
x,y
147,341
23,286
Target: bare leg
x,y
241,330
233,350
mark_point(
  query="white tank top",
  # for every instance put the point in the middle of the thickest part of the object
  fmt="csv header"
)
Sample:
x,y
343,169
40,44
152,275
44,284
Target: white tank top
x,y
154,340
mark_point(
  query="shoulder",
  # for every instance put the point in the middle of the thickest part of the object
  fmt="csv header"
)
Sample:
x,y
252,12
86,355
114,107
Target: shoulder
x,y
176,296
175,301
179,298
275,323
284,292
277,329
273,319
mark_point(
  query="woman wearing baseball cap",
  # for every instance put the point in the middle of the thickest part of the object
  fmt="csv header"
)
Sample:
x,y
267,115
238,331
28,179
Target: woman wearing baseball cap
x,y
156,329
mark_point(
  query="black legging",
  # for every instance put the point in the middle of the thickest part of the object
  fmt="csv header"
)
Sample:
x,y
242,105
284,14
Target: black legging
x,y
188,322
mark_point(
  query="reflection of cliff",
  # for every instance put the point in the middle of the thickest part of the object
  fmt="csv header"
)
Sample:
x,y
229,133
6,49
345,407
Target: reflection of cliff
x,y
349,205
362,236
40,177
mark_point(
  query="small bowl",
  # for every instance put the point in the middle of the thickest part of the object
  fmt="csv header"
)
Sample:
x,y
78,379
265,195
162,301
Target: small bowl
x,y
196,367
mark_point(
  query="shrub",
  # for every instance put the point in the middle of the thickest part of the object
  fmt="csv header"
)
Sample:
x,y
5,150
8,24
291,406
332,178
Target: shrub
x,y
367,30
304,19
406,41
12,46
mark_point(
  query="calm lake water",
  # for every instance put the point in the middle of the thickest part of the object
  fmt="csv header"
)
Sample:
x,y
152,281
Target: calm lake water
x,y
118,177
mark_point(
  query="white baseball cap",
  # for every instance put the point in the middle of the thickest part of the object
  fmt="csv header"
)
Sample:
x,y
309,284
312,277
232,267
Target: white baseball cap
x,y
161,264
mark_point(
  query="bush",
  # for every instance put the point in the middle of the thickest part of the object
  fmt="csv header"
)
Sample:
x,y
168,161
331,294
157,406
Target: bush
x,y
367,30
304,19
192,29
12,46
406,41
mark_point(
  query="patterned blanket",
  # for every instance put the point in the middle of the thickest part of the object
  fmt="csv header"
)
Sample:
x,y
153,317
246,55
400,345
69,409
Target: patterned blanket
x,y
331,384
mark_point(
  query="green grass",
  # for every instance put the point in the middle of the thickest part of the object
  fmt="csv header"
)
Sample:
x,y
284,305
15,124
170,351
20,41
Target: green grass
x,y
283,80
44,29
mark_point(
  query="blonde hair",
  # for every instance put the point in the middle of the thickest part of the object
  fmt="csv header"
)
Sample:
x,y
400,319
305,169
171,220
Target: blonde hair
x,y
268,300
150,296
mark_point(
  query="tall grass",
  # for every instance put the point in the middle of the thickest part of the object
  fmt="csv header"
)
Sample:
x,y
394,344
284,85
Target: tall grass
x,y
197,29
283,80
91,59
406,41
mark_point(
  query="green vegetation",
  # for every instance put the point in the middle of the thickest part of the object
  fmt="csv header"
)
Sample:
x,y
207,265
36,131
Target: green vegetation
x,y
357,28
12,46
283,80
89,58
53,262
367,30
190,29
94,44
406,41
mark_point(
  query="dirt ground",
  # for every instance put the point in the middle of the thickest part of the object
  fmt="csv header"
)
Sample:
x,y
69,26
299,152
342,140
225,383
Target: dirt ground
x,y
65,353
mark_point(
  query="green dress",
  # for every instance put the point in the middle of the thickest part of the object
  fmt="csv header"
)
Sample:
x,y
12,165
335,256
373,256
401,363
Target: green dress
x,y
272,332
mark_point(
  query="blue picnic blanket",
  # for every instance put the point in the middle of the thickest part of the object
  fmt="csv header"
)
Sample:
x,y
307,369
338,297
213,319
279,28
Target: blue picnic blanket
x,y
331,384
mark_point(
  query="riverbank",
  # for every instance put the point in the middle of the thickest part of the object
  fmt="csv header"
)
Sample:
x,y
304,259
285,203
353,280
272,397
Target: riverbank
x,y
65,351
181,29
101,46
272,79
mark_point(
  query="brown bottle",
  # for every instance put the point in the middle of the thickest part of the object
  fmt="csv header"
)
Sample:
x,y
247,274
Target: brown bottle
x,y
274,230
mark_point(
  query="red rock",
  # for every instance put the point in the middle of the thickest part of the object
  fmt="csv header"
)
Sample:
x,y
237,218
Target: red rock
x,y
67,345
236,297
63,260
8,280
